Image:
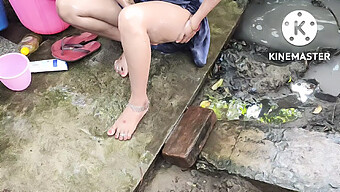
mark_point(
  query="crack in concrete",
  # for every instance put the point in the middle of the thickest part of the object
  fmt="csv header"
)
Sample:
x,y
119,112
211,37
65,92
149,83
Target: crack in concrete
x,y
236,142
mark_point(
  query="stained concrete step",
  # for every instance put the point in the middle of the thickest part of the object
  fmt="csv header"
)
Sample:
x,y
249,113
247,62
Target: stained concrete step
x,y
53,134
294,158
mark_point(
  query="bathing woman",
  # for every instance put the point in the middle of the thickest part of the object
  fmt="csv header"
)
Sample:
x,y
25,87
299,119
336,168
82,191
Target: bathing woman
x,y
166,25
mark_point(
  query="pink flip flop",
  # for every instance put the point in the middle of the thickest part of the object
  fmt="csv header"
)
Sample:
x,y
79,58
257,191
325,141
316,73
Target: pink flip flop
x,y
72,48
76,39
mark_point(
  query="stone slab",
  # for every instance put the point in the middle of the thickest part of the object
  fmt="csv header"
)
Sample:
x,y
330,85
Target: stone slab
x,y
52,135
169,178
189,136
294,158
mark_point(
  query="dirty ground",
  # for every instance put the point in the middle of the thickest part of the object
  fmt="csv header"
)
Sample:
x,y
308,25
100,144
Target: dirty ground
x,y
169,178
277,124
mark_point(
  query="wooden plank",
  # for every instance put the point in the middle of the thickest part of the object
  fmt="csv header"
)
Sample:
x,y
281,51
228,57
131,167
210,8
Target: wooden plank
x,y
189,137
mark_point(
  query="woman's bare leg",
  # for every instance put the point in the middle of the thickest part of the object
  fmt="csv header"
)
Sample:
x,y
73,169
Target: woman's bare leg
x,y
142,24
99,17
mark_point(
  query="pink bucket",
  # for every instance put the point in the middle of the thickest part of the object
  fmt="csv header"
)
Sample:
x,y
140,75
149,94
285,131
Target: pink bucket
x,y
14,71
40,16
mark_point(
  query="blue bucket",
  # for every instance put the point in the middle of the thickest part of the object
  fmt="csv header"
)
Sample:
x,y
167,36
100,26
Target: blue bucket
x,y
3,18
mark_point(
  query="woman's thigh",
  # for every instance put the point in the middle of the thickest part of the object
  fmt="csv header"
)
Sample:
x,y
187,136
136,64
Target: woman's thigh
x,y
104,10
163,21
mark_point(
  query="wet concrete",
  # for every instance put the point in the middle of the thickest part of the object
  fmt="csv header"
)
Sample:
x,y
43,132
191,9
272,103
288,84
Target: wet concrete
x,y
327,74
53,135
170,178
263,19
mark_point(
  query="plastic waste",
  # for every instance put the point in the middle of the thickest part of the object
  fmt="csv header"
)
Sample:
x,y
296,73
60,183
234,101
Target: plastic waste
x,y
29,44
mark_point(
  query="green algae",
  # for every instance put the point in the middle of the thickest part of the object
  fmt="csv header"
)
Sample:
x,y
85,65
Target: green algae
x,y
220,107
4,144
281,116
55,97
146,157
2,115
235,109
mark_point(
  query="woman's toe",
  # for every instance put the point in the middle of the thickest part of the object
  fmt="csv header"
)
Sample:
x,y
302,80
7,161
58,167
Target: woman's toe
x,y
129,135
121,137
123,73
115,66
117,135
111,131
126,136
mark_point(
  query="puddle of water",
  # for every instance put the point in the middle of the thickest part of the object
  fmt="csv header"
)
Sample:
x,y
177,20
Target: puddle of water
x,y
328,75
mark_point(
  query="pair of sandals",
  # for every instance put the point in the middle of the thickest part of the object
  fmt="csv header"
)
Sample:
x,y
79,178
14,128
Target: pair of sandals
x,y
76,47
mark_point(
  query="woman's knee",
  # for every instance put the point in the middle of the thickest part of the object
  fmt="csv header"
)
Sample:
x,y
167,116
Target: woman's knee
x,y
64,9
67,10
131,19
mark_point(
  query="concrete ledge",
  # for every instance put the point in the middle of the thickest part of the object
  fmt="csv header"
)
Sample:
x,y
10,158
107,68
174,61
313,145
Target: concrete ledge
x,y
294,158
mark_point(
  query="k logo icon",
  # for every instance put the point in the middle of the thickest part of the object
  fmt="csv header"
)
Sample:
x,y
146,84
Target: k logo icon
x,y
299,28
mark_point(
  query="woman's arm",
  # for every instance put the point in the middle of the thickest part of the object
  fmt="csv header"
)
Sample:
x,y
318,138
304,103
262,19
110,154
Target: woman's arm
x,y
193,23
202,12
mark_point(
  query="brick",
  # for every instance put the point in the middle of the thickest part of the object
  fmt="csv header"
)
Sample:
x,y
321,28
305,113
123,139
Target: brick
x,y
189,136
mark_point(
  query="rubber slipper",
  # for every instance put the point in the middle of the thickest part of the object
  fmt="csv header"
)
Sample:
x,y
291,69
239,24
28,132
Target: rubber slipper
x,y
76,39
74,52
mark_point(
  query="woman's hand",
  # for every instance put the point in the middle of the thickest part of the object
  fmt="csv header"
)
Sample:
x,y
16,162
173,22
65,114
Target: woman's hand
x,y
189,31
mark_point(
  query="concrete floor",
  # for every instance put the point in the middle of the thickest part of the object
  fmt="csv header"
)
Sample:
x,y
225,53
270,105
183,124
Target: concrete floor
x,y
53,135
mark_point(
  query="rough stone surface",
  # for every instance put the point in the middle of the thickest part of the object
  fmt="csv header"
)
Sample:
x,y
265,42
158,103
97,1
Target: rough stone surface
x,y
7,46
53,135
173,179
293,158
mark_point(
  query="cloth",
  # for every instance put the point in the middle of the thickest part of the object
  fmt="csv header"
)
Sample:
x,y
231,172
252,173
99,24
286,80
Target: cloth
x,y
199,44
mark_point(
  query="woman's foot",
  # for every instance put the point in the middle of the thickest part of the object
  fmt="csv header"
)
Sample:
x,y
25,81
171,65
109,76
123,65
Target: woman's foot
x,y
121,66
127,122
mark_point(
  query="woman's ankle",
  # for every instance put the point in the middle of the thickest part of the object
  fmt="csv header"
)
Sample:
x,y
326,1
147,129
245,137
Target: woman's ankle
x,y
140,101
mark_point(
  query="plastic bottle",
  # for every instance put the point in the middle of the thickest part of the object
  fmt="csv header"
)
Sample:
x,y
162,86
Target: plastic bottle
x,y
29,43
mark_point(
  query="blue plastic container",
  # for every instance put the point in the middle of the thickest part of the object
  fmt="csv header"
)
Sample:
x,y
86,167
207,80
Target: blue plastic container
x,y
3,18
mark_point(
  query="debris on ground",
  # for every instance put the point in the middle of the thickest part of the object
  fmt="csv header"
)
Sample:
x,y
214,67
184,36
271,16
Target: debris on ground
x,y
317,110
244,85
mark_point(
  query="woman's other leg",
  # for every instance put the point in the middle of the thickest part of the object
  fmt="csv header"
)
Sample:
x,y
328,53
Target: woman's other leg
x,y
99,16
142,24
